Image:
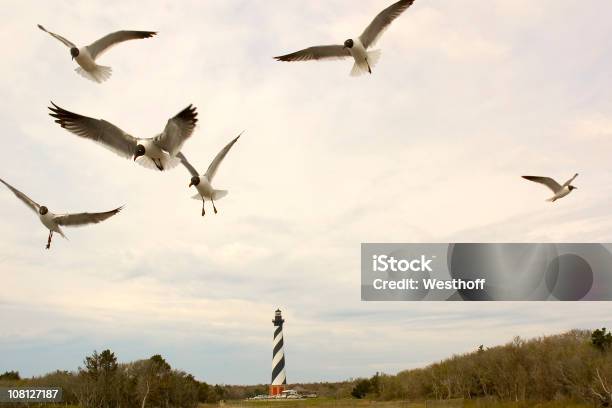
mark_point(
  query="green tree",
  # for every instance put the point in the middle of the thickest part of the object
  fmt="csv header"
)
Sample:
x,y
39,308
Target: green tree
x,y
362,388
602,339
10,375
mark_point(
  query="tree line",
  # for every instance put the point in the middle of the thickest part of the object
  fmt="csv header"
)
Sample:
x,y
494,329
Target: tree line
x,y
103,382
576,365
573,366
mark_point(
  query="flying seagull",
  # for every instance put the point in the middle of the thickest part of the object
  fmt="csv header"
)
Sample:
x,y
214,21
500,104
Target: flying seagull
x,y
159,151
86,56
203,183
559,190
357,47
54,221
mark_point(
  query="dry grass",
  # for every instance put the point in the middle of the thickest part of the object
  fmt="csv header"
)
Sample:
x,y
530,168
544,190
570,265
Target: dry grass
x,y
346,403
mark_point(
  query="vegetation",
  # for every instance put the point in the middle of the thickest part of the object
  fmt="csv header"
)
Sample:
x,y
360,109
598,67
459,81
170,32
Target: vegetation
x,y
105,383
573,366
568,370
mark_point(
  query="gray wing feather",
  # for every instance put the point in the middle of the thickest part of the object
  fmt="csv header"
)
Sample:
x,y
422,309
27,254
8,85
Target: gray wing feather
x,y
26,200
97,130
64,41
547,181
187,165
105,43
568,182
382,21
316,53
212,169
177,130
75,220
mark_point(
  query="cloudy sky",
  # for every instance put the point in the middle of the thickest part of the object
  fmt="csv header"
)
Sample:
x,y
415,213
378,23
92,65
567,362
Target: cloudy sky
x,y
467,97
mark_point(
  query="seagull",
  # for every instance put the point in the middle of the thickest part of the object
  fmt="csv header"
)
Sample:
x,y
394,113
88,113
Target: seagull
x,y
159,151
357,47
54,221
203,183
559,190
86,56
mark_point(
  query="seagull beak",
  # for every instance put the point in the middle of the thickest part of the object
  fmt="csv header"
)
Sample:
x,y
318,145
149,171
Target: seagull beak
x,y
135,157
190,184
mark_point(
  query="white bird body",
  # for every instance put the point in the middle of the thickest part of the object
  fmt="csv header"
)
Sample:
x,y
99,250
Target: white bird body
x,y
560,194
85,60
156,155
356,47
86,56
88,67
559,190
47,221
157,152
364,60
53,221
203,183
205,189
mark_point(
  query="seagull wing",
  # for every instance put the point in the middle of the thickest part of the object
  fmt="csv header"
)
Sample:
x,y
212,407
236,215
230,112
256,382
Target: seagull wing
x,y
568,182
316,53
177,130
382,21
98,130
547,181
26,200
212,169
76,220
105,43
59,37
187,165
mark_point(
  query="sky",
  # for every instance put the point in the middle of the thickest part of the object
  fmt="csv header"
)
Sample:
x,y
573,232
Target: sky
x,y
467,97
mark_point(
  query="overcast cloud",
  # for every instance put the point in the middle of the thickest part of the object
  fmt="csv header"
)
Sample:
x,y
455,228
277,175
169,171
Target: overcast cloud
x,y
467,97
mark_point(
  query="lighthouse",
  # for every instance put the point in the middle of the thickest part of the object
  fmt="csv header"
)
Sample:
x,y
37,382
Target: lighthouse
x,y
279,379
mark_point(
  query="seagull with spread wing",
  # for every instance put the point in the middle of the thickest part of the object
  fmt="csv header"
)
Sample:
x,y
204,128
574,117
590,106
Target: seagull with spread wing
x,y
357,47
53,221
203,183
559,190
86,56
156,152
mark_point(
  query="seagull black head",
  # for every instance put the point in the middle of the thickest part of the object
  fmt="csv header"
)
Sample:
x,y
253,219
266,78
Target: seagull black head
x,y
195,180
140,151
348,43
43,210
74,51
571,187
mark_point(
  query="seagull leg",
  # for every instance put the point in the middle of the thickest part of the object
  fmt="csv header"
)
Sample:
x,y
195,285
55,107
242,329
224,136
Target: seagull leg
x,y
203,207
49,240
158,164
214,208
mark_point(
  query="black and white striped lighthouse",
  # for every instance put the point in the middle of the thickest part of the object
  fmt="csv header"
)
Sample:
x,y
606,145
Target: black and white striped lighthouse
x,y
279,379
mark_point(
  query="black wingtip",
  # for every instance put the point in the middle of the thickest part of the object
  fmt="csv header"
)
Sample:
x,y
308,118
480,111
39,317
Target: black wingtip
x,y
190,113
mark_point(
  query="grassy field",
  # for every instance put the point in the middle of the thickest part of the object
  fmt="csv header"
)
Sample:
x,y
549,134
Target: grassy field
x,y
346,403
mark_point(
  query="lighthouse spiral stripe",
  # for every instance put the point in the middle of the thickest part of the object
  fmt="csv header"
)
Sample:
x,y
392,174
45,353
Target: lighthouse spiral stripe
x,y
278,358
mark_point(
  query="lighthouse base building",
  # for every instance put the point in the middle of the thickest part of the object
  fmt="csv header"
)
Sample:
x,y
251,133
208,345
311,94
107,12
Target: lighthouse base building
x,y
279,378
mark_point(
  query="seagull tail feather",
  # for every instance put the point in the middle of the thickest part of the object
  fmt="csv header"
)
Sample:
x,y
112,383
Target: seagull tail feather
x,y
217,195
100,74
